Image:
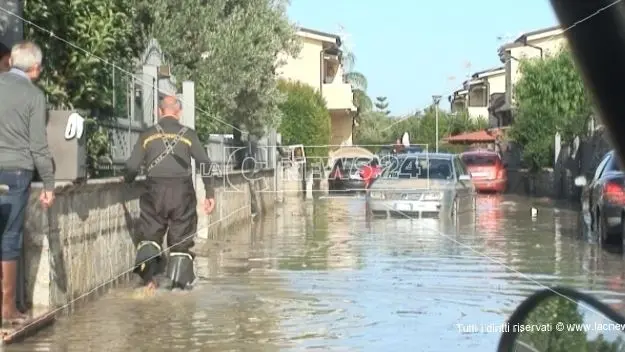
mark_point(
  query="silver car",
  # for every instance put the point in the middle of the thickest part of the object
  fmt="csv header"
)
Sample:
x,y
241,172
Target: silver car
x,y
423,184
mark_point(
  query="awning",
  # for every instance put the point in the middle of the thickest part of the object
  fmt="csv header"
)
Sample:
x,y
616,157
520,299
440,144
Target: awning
x,y
473,137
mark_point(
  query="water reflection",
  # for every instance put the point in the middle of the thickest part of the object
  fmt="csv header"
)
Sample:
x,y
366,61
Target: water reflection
x,y
323,275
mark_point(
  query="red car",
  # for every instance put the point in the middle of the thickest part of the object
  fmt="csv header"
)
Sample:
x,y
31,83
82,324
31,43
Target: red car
x,y
488,171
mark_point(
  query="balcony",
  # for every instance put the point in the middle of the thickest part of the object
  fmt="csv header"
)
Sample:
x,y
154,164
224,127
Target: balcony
x,y
338,96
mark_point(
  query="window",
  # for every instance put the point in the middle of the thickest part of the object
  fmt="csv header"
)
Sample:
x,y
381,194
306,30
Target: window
x,y
613,164
351,164
460,167
419,168
601,166
478,96
480,159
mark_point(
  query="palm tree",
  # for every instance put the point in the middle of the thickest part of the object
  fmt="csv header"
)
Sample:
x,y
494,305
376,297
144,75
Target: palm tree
x,y
358,82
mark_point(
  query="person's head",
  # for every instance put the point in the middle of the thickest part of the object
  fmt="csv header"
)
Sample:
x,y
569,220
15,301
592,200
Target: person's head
x,y
27,57
374,162
5,56
170,107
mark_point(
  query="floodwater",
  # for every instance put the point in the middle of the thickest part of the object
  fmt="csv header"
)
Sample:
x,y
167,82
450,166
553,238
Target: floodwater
x,y
321,276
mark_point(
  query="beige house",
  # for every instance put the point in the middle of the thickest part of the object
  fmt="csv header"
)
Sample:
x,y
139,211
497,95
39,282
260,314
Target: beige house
x,y
319,65
535,44
479,92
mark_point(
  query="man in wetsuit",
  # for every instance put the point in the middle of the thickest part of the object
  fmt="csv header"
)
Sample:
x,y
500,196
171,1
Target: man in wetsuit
x,y
169,202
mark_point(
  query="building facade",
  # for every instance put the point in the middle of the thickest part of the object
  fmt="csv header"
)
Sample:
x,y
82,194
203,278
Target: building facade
x,y
319,65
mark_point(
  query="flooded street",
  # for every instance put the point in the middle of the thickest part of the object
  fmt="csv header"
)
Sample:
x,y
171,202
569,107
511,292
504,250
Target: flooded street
x,y
323,277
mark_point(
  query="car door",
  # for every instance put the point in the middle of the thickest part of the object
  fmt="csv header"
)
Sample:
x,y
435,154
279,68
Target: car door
x,y
589,193
463,188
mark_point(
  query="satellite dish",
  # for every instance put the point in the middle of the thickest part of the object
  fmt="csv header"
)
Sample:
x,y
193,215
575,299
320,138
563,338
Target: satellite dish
x,y
404,140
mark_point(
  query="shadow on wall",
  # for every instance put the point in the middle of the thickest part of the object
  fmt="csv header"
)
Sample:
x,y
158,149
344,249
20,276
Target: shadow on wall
x,y
75,246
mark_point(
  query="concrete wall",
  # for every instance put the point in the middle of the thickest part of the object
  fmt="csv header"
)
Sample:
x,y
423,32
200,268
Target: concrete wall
x,y
341,129
86,242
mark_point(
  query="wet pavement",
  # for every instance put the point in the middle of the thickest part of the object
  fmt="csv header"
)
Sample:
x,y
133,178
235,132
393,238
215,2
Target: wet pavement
x,y
322,276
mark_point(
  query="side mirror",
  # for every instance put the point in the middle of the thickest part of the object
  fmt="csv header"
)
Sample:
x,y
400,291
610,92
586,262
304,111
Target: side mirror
x,y
464,178
563,319
580,181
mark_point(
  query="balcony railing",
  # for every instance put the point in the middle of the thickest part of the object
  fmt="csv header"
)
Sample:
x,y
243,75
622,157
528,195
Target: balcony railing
x,y
339,96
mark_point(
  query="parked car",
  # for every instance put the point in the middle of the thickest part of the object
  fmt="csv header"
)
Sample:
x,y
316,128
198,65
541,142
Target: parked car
x,y
488,171
423,184
603,199
346,175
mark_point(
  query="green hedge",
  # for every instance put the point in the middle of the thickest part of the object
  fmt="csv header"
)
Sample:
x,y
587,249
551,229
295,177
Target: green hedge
x,y
305,118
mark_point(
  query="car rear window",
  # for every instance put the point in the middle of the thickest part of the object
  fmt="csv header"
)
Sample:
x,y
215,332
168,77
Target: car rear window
x,y
419,168
351,163
480,160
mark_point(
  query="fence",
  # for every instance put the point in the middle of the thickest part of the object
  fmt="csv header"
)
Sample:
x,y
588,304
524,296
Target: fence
x,y
134,102
227,154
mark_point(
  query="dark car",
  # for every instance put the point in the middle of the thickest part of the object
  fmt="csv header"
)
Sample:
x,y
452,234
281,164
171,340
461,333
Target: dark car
x,y
603,199
346,174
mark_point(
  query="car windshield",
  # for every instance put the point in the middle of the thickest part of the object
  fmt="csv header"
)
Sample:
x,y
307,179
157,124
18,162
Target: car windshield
x,y
419,168
480,159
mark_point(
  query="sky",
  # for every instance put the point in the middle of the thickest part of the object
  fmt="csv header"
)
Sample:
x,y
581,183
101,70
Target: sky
x,y
410,50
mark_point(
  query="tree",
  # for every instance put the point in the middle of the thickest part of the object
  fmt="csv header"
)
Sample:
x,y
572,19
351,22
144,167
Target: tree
x,y
373,130
358,81
80,75
550,98
376,128
549,313
229,48
306,120
381,103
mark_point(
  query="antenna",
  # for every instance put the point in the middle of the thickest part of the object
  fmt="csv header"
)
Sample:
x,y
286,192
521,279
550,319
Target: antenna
x,y
345,36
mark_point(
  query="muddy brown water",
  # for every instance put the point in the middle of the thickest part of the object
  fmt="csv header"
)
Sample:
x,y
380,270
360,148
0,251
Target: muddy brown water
x,y
322,276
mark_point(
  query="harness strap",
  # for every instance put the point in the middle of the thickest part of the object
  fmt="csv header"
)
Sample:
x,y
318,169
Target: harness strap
x,y
169,147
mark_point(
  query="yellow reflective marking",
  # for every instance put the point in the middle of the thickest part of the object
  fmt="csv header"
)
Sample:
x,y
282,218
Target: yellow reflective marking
x,y
163,136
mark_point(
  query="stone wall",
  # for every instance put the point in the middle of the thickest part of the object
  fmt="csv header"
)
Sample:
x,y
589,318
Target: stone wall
x,y
86,241
522,182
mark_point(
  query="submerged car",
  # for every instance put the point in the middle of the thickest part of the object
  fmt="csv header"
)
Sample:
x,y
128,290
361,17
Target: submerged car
x,y
423,184
488,171
346,174
603,199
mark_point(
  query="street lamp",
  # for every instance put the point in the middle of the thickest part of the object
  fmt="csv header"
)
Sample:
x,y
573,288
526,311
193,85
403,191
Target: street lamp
x,y
436,99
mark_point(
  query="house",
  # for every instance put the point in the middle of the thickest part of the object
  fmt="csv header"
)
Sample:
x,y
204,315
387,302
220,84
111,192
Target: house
x,y
479,93
319,65
535,44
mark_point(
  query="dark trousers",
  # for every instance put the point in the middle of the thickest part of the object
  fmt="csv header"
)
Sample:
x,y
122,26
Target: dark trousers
x,y
169,206
13,211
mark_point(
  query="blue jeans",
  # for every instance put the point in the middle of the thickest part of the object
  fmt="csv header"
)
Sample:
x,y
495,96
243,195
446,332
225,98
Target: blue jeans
x,y
12,212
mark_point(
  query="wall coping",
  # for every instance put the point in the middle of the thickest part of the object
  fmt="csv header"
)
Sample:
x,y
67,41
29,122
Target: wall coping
x,y
68,186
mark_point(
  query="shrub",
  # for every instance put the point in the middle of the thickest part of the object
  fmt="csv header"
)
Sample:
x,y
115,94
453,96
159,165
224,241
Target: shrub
x,y
305,118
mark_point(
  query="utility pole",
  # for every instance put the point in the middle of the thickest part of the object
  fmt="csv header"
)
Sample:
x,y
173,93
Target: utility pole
x,y
437,100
